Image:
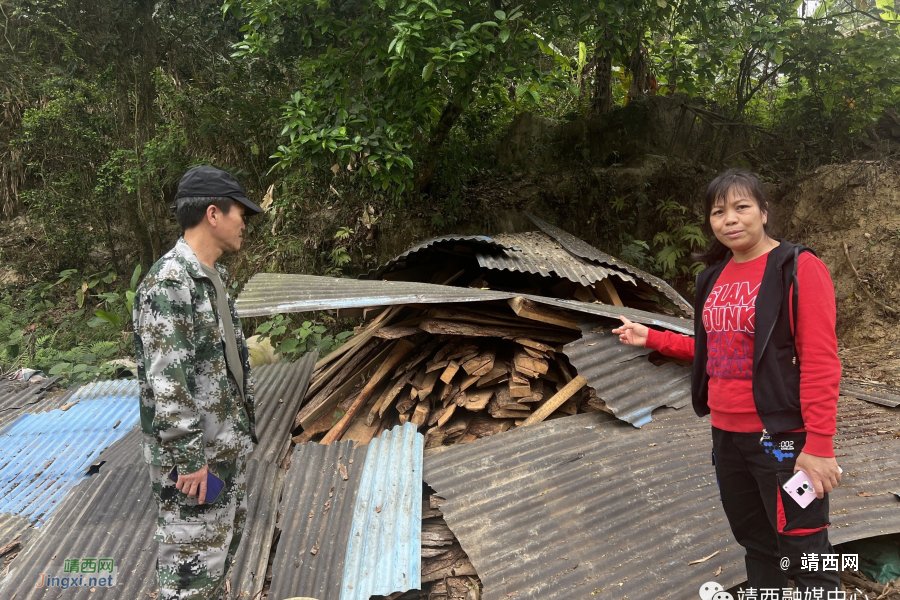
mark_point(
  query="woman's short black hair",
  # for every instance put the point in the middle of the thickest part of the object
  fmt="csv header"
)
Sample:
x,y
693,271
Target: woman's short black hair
x,y
190,211
716,193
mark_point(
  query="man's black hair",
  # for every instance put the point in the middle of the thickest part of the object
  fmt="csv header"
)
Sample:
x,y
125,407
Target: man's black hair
x,y
190,212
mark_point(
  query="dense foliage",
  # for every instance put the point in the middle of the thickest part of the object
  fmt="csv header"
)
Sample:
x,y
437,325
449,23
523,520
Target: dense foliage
x,y
374,108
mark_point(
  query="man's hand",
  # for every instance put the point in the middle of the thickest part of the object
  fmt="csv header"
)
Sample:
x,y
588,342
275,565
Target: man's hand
x,y
633,334
194,484
824,473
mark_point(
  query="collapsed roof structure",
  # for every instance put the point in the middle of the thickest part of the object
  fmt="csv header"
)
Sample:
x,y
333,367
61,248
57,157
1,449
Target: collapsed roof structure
x,y
481,419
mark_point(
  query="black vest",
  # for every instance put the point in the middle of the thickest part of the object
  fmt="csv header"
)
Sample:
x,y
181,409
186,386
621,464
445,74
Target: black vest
x,y
776,368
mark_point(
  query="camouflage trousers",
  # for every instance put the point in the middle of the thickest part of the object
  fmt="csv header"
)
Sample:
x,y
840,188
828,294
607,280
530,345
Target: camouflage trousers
x,y
197,543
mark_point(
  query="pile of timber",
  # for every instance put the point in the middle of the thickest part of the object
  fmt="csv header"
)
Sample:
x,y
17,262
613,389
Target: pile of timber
x,y
458,374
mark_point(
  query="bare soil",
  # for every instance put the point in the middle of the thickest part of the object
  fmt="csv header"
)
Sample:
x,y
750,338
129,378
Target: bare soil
x,y
850,215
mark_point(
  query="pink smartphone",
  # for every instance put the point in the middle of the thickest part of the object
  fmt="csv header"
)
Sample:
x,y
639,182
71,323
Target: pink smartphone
x,y
800,488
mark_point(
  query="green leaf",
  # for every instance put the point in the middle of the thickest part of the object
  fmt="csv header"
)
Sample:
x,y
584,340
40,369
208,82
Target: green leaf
x,y
504,35
661,3
58,368
109,317
427,71
500,15
135,277
288,346
778,57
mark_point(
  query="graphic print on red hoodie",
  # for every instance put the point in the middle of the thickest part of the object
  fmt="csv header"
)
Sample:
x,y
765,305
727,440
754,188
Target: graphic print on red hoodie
x,y
729,317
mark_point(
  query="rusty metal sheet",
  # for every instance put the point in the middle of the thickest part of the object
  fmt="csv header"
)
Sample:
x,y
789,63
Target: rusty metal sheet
x,y
316,515
579,247
473,241
538,253
20,397
631,385
110,515
337,493
589,507
269,294
279,389
878,394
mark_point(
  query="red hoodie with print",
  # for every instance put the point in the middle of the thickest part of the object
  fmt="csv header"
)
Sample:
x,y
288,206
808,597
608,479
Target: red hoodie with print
x,y
729,317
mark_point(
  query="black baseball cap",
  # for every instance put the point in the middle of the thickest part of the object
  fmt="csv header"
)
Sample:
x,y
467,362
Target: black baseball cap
x,y
210,182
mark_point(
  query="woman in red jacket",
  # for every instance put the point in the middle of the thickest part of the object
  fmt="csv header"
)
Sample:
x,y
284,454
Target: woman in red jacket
x,y
769,384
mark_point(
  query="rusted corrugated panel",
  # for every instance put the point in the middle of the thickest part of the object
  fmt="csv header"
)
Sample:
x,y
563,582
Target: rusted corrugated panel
x,y
631,385
384,553
476,241
870,393
20,397
269,294
590,507
581,248
110,515
372,493
265,481
316,515
535,252
279,389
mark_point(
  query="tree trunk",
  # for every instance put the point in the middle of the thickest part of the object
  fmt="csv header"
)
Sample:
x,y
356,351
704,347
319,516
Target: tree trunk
x,y
445,124
602,96
640,74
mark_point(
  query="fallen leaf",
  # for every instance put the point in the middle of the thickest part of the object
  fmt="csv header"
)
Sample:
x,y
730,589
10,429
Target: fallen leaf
x,y
343,469
315,549
378,509
864,494
703,560
268,198
718,572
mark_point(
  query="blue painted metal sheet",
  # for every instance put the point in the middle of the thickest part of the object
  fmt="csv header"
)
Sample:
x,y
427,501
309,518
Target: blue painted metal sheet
x,y
45,455
384,548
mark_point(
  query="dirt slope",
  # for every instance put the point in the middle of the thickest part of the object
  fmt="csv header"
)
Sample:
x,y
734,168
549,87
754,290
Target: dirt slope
x,y
857,204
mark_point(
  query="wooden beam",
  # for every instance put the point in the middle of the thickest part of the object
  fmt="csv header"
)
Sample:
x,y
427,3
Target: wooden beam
x,y
322,404
388,397
345,352
400,350
556,401
450,371
510,333
607,293
534,311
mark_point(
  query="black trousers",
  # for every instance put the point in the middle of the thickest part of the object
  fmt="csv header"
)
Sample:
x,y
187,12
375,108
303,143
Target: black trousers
x,y
767,522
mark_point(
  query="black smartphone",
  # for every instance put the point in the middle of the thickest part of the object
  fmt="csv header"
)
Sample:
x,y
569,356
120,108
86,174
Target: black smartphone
x,y
214,485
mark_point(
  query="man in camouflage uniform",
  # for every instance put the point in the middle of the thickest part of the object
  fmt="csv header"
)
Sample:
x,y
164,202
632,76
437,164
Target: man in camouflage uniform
x,y
197,411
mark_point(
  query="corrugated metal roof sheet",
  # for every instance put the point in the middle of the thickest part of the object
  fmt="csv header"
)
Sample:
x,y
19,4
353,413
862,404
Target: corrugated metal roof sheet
x,y
587,506
631,386
336,493
270,293
579,247
103,495
43,456
316,515
110,515
265,480
535,252
20,397
279,390
384,554
870,393
479,241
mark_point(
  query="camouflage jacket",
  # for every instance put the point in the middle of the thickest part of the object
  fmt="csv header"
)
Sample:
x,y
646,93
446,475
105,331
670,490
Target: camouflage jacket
x,y
191,409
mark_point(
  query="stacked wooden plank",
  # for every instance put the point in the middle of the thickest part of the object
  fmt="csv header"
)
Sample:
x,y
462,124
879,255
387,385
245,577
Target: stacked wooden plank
x,y
459,374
